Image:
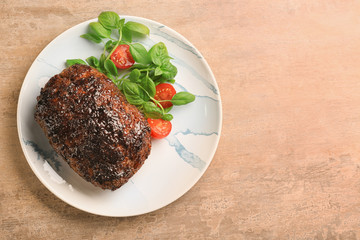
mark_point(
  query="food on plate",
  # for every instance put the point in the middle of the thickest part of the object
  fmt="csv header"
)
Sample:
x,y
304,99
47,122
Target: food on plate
x,y
122,57
91,125
100,114
160,128
144,76
165,91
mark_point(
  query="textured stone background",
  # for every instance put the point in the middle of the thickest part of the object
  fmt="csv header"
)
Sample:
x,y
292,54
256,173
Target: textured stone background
x,y
288,163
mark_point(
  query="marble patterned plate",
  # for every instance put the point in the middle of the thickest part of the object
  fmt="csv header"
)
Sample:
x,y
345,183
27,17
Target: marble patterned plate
x,y
175,164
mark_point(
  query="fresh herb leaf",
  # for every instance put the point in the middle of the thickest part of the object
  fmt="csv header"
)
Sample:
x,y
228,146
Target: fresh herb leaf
x,y
182,98
99,30
126,35
93,61
143,94
109,45
102,60
139,53
172,81
158,54
121,23
166,110
134,75
109,75
92,37
169,71
167,117
151,110
71,62
109,20
137,27
158,71
139,66
132,93
148,85
162,79
110,67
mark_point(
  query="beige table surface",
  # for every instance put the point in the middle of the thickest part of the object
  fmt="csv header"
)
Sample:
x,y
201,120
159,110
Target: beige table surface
x,y
288,162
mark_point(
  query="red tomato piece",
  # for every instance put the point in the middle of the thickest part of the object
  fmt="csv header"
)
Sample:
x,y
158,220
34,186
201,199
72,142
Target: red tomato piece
x,y
165,91
159,128
122,57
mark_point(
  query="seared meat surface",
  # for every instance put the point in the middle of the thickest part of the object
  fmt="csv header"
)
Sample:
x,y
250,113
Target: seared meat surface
x,y
91,125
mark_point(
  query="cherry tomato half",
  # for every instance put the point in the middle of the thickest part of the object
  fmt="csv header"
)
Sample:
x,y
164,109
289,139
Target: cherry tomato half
x,y
159,128
121,57
165,91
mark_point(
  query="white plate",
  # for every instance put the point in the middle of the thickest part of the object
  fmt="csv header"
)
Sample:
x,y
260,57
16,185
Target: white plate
x,y
175,164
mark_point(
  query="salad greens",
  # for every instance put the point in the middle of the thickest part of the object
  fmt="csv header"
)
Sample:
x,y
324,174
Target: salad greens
x,y
138,83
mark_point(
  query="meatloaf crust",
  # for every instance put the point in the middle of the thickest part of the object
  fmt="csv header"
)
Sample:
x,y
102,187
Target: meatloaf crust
x,y
92,127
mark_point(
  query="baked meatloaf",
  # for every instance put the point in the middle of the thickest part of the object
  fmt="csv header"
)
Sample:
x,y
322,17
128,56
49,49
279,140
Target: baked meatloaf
x,y
92,127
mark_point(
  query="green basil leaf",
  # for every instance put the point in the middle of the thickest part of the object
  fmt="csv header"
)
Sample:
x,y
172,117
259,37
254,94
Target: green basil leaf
x,y
166,110
134,75
92,37
151,110
169,71
158,71
118,83
139,53
153,115
148,84
137,27
70,62
159,54
99,30
101,62
109,20
109,75
132,93
109,45
167,117
161,79
144,95
126,35
172,81
138,66
93,61
182,98
121,23
110,67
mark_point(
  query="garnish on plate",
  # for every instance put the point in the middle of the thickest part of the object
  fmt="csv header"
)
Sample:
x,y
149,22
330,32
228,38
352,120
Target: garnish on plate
x,y
144,76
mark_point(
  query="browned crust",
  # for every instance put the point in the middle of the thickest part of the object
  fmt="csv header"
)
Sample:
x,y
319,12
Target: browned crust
x,y
91,125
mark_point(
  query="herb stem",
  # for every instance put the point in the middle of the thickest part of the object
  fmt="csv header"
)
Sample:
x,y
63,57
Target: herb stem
x,y
116,45
154,100
145,70
125,75
158,104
